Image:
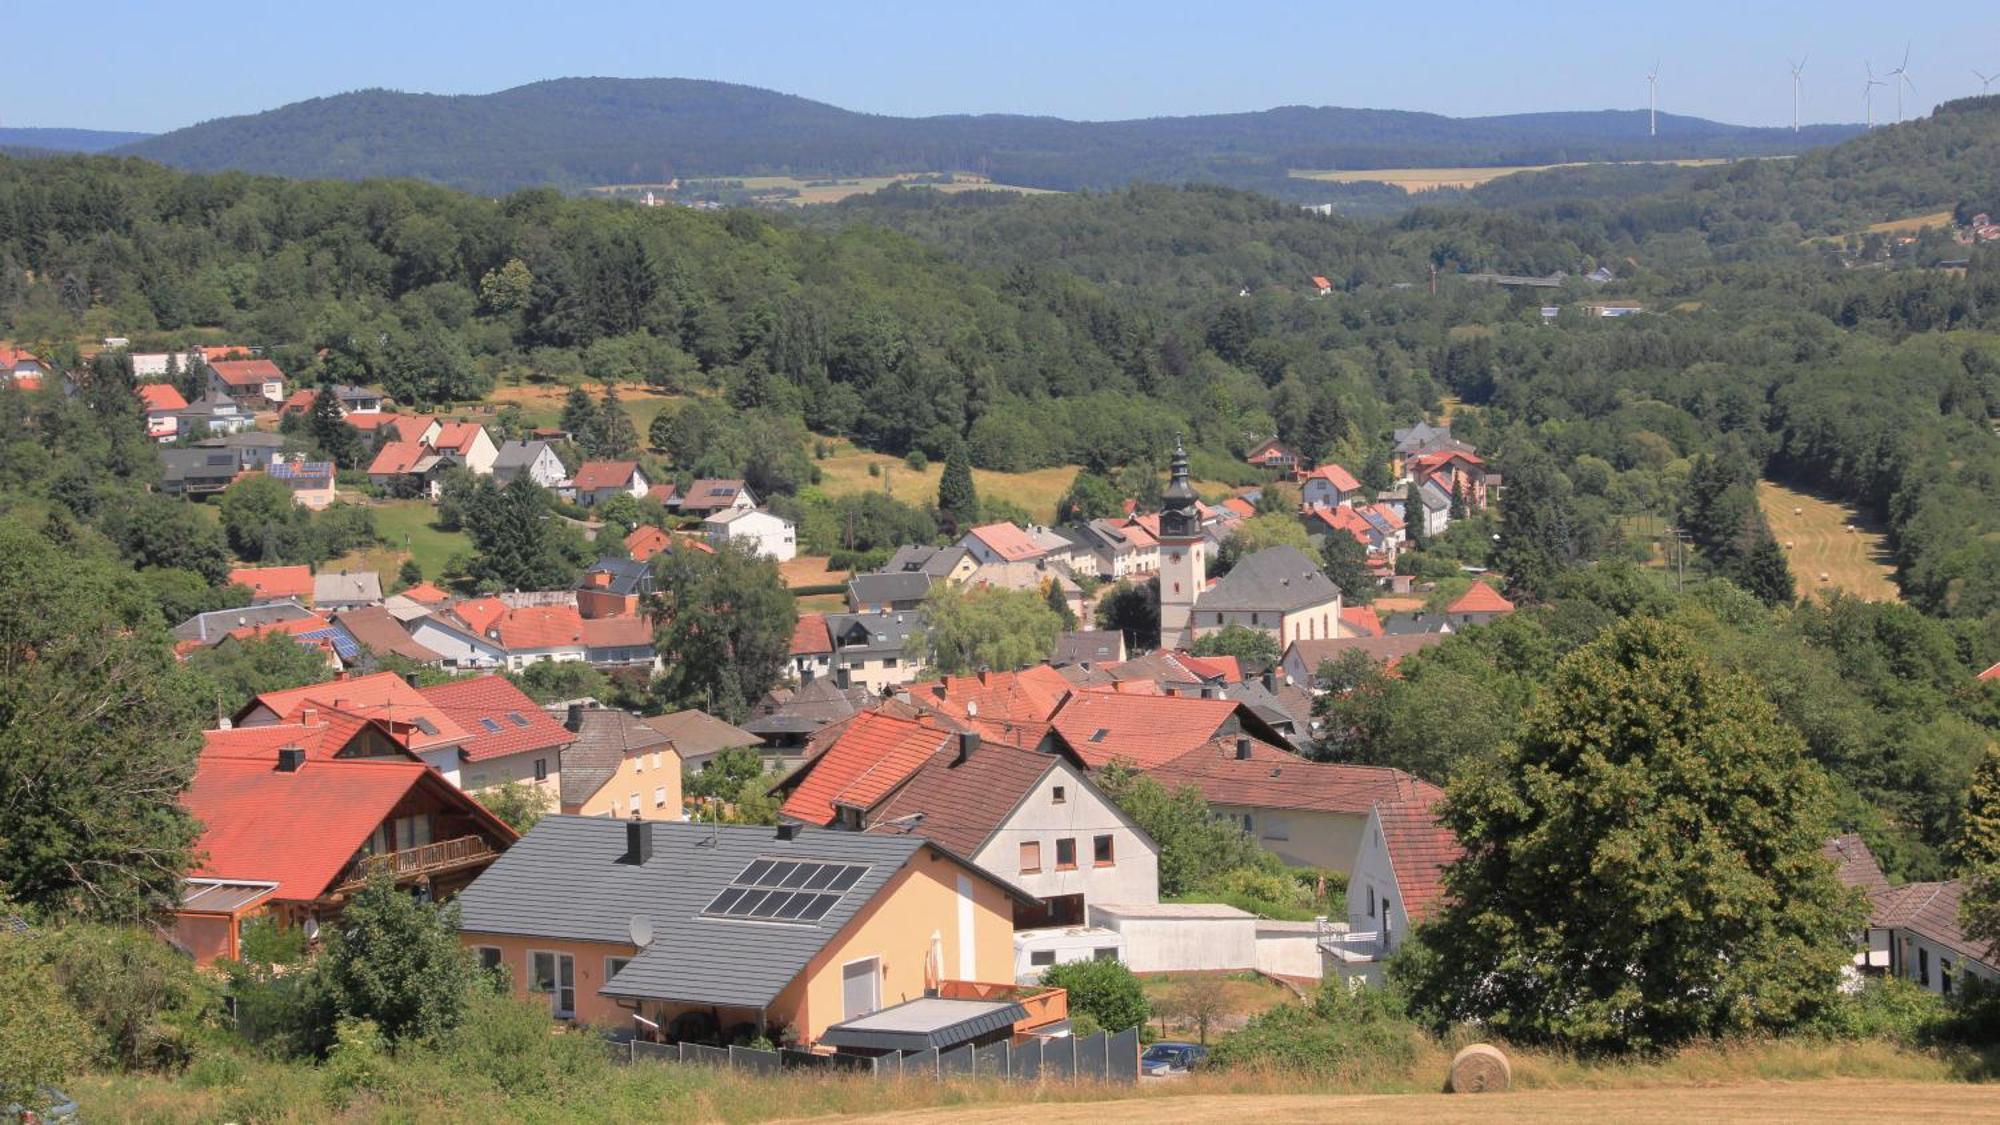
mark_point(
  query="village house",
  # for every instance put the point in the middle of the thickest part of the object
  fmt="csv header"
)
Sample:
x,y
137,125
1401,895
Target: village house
x,y
294,837
163,404
197,471
871,755
254,451
343,589
508,738
379,631
812,648
253,384
698,737
468,444
1112,549
1396,884
213,413
1278,590
871,649
275,583
410,468
598,481
1089,647
1038,577
536,458
698,929
946,564
1303,658
1914,931
161,365
339,648
205,629
311,482
618,767
706,498
23,369
532,634
1274,455
1329,486
1149,731
770,535
885,592
1458,474
614,587
366,717
619,642
788,718
1479,605
1000,542
457,642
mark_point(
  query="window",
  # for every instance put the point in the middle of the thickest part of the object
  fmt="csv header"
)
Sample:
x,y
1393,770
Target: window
x,y
541,769
1104,953
656,759
1371,902
489,956
615,965
1101,851
1923,966
890,662
1042,958
1031,857
638,763
659,796
1944,975
1059,796
860,987
1066,854
554,974
1275,828
635,804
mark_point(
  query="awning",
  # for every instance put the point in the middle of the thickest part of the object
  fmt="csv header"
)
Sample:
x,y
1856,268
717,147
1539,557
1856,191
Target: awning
x,y
915,1025
223,896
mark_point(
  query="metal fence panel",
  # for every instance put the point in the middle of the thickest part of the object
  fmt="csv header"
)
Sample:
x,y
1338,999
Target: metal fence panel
x,y
955,1062
1123,1052
1027,1064
707,1056
643,1051
1059,1057
992,1060
1091,1056
921,1064
755,1061
853,1064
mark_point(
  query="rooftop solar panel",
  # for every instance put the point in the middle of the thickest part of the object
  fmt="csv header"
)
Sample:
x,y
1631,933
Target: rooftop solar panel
x,y
784,890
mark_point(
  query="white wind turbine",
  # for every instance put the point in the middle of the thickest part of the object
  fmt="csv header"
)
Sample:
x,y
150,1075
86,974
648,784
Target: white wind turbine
x,y
1900,77
1798,71
1653,100
1985,82
1868,96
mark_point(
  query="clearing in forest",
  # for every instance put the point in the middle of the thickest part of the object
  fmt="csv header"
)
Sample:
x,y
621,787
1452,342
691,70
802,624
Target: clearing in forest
x,y
1413,180
1828,544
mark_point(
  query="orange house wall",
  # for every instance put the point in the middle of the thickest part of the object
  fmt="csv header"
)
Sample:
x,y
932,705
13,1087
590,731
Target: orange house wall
x,y
591,1008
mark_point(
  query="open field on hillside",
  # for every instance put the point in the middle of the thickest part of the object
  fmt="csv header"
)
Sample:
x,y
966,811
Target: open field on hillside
x,y
542,403
401,522
1819,540
1912,224
844,472
826,189
1414,180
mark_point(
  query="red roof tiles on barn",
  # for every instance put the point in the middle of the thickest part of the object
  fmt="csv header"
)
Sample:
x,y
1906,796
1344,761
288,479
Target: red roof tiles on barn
x,y
874,755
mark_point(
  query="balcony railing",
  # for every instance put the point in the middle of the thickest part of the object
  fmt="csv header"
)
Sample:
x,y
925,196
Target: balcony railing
x,y
1045,1005
1336,940
426,859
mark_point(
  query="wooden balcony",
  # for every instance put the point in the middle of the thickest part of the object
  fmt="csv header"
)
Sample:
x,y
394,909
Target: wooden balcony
x,y
411,864
1045,1005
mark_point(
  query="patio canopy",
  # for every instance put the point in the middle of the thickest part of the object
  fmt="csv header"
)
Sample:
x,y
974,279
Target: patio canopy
x,y
915,1025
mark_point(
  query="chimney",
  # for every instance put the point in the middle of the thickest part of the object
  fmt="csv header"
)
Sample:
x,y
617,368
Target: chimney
x,y
309,716
1270,680
789,830
968,745
638,841
1242,749
841,678
290,758
574,721
410,678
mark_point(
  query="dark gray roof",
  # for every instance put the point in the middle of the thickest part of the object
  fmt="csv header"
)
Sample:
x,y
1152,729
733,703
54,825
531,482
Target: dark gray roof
x,y
1276,579
888,589
1413,624
928,1021
248,439
808,709
182,465
1089,646
1412,439
627,577
566,879
214,625
600,747
934,561
518,454
872,634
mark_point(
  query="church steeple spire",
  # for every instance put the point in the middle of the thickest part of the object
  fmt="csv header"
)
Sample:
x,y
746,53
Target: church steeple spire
x,y
1178,518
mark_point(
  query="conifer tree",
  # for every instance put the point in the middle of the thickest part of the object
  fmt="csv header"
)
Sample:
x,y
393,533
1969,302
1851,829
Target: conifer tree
x,y
616,436
330,431
579,417
958,501
1413,515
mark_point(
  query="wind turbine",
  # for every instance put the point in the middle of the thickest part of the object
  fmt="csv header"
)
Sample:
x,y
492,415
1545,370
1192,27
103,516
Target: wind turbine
x,y
1868,95
1653,100
1798,70
1900,77
1985,82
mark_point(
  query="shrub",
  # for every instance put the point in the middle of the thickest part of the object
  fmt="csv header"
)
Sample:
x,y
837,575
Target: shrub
x,y
145,1000
1885,1008
41,1037
1345,1033
1106,991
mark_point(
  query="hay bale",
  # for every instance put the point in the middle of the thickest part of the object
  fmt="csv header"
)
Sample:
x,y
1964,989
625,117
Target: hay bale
x,y
1480,1069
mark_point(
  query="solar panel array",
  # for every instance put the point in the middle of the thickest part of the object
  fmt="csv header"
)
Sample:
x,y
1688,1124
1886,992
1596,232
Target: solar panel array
x,y
784,890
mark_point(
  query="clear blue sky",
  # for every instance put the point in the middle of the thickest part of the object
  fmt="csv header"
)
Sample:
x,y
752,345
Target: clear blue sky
x,y
158,64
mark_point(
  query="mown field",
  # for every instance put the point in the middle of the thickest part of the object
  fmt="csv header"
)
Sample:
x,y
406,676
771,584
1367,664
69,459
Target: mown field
x,y
844,472
827,189
1414,180
1829,546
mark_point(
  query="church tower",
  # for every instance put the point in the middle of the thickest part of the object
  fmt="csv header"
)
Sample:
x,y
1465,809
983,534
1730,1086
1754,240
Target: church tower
x,y
1183,567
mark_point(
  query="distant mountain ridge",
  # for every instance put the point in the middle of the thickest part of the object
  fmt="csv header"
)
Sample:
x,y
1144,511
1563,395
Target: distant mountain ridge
x,y
67,140
581,132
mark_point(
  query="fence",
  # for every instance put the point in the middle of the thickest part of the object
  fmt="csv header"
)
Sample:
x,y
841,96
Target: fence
x,y
1102,1057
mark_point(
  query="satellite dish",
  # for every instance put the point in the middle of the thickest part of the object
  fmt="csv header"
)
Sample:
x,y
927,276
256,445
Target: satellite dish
x,y
642,931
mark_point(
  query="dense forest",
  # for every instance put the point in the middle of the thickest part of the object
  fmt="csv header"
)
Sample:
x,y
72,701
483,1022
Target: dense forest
x,y
579,132
1088,328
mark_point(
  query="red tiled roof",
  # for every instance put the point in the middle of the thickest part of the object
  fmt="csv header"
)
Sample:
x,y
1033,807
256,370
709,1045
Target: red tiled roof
x,y
1142,530
1240,506
456,436
810,637
1277,779
299,401
1147,730
210,353
871,757
1226,669
423,593
646,541
1030,695
1337,476
405,427
322,738
479,614
1360,621
1481,598
368,423
1992,673
963,803
301,829
1009,542
397,458
1386,514
246,372
9,357
541,626
1419,850
1430,462
158,397
1321,282
481,703
1855,866
1342,518
593,475
384,697
275,581
627,630
664,493
1931,910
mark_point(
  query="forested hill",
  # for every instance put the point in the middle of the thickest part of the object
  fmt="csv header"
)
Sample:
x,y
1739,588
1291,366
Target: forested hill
x,y
67,140
576,132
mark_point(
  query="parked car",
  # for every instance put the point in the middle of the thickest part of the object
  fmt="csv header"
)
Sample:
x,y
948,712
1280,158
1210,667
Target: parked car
x,y
54,1106
1162,1059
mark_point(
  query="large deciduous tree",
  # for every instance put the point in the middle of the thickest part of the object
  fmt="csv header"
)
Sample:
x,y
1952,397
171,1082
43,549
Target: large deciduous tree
x,y
398,962
967,630
722,623
99,730
1642,867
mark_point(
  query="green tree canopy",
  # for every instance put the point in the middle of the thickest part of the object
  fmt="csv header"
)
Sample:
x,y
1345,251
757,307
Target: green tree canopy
x,y
1255,649
1642,867
723,626
1106,991
398,962
967,630
958,500
1346,562
337,440
241,670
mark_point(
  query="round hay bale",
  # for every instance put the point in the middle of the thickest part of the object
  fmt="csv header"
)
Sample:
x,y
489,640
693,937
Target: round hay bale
x,y
1789,545
1480,1069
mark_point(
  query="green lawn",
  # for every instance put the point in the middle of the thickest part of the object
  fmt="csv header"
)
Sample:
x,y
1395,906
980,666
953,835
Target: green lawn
x,y
408,531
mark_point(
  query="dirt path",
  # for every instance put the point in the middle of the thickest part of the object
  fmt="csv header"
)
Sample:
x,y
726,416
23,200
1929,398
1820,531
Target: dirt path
x,y
1829,1101
1822,537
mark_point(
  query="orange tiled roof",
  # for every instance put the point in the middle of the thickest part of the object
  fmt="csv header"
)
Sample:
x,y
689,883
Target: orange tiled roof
x,y
456,436
368,423
246,372
810,637
625,630
480,704
1481,598
1147,730
1336,475
1360,621
875,754
383,698
1240,506
1278,779
1342,518
159,397
423,593
593,475
1009,542
1030,695
1992,673
1419,850
541,626
275,581
646,541
396,458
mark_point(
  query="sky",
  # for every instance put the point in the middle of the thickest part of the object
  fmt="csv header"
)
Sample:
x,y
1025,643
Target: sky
x,y
155,65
